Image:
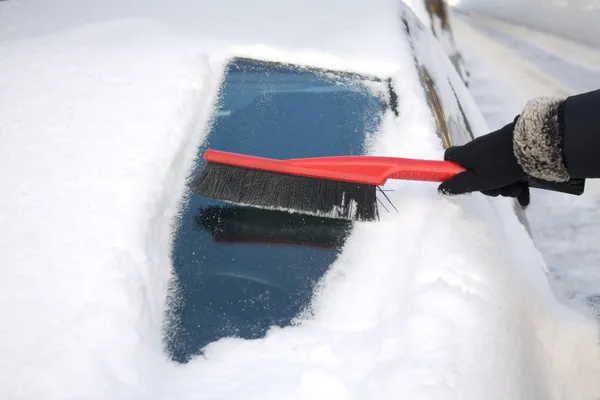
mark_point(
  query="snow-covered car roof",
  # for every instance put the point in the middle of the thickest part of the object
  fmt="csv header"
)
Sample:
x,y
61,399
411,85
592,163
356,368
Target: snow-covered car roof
x,y
103,107
314,32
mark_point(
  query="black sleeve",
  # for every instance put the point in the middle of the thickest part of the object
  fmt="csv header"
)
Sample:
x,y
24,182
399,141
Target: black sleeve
x,y
581,135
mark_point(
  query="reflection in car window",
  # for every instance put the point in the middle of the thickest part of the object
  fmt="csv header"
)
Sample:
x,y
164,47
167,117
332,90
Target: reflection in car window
x,y
240,270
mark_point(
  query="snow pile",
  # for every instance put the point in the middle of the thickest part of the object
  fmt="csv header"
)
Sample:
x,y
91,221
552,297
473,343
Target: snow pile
x,y
103,108
573,19
97,135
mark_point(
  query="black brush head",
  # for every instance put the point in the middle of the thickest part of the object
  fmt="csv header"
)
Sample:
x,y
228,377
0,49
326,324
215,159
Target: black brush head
x,y
321,197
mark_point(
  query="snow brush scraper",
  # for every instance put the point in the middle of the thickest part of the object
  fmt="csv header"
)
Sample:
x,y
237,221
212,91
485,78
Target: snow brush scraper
x,y
342,187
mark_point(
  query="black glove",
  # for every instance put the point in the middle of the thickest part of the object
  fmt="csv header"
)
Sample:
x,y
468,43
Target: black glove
x,y
492,167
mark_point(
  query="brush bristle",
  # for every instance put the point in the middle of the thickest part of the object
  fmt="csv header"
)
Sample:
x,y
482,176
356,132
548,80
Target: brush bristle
x,y
326,198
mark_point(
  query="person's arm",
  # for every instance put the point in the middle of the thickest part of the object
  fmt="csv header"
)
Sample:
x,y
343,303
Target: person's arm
x,y
552,140
558,139
581,142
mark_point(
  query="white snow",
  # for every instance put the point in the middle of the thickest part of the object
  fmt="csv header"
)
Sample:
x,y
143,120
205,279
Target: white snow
x,y
97,135
103,107
573,19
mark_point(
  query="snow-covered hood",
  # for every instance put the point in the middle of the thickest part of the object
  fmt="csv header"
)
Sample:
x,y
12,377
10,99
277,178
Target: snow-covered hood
x,y
103,106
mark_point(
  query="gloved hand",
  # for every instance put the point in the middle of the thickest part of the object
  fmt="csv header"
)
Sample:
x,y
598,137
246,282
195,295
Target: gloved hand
x,y
492,167
502,163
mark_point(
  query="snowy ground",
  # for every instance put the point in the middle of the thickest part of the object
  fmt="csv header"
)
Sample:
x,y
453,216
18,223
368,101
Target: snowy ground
x,y
510,64
573,19
103,107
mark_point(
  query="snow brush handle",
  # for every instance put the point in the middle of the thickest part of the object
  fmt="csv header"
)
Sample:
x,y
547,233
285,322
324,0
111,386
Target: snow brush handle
x,y
369,170
439,171
426,170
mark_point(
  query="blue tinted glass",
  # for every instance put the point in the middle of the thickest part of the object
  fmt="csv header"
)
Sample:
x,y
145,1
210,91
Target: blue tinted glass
x,y
241,270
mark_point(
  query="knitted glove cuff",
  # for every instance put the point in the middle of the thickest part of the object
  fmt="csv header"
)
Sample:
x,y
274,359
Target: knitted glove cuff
x,y
538,138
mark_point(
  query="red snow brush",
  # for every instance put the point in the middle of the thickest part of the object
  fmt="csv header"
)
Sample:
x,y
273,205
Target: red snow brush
x,y
343,187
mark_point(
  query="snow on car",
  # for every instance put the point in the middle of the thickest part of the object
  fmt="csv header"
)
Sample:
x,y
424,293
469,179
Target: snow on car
x,y
105,109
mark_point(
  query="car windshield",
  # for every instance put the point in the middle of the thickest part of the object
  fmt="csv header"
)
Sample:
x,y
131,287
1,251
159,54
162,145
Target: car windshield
x,y
241,270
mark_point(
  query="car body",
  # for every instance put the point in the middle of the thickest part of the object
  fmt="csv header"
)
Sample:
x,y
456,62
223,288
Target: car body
x,y
241,270
117,282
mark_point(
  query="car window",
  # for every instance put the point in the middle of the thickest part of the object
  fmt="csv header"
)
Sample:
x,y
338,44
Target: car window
x,y
452,125
438,9
436,107
464,124
241,270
